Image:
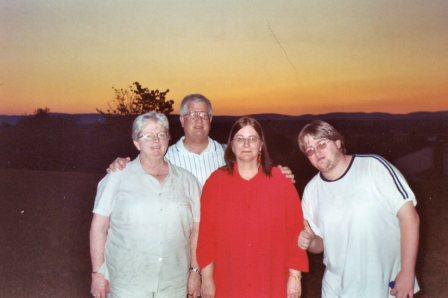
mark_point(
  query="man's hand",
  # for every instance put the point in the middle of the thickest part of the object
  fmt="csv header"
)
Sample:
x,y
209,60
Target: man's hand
x,y
409,232
287,172
100,286
194,284
306,236
118,164
404,285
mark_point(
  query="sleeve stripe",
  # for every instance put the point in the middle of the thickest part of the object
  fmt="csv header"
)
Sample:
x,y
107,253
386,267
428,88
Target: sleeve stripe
x,y
392,173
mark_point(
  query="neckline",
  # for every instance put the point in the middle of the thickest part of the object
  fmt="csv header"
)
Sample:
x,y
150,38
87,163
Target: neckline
x,y
235,170
167,179
343,174
180,144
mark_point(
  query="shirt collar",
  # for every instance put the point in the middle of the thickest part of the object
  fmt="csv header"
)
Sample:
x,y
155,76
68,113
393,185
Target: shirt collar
x,y
136,164
181,147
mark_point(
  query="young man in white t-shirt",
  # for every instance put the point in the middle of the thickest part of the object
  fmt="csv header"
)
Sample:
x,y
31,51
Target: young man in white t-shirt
x,y
359,211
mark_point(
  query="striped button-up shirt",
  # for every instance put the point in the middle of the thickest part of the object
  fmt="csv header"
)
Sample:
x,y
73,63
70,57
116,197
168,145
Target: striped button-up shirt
x,y
200,165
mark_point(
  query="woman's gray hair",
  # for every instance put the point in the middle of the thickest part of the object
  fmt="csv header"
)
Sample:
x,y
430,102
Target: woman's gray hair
x,y
194,98
141,121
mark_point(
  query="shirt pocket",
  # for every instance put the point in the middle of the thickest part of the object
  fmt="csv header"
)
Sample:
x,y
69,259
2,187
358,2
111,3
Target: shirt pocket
x,y
181,208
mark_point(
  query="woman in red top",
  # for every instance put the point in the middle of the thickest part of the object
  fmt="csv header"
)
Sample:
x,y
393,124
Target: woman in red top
x,y
250,220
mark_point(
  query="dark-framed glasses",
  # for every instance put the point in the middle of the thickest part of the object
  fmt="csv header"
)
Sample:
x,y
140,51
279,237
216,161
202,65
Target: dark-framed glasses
x,y
251,140
153,136
195,115
321,145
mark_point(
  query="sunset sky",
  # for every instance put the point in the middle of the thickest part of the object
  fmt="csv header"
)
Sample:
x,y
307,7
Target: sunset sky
x,y
289,57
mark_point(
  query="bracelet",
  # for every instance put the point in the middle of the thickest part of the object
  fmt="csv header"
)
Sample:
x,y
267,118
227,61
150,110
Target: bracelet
x,y
195,269
297,277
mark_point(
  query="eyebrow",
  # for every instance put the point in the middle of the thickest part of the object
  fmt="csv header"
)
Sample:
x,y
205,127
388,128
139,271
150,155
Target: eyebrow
x,y
238,135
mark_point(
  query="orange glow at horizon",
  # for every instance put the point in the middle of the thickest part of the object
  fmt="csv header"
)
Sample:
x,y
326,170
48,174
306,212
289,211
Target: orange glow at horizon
x,y
302,57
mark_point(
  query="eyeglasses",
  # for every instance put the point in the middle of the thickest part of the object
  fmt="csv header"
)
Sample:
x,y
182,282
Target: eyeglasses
x,y
251,140
321,145
153,136
195,115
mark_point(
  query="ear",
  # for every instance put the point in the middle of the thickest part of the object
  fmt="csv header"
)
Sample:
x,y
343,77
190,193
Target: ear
x,y
181,118
338,144
137,145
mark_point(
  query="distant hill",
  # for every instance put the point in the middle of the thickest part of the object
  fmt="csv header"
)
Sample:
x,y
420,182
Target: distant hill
x,y
356,116
92,118
81,119
10,120
92,142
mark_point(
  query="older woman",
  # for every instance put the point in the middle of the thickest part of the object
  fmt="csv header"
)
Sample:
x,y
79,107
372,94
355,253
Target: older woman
x,y
250,220
144,228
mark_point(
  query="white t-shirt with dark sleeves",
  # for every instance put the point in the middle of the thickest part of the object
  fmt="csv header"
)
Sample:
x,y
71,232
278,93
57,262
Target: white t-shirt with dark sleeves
x,y
200,165
356,216
148,241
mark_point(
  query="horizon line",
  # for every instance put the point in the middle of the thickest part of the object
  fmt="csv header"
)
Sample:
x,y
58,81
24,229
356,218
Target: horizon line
x,y
242,115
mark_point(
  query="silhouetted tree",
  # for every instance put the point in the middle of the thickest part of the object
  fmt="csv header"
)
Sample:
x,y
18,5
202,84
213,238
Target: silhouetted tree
x,y
41,112
138,100
41,116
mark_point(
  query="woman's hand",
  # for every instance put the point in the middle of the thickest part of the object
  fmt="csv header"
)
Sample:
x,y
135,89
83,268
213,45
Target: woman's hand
x,y
294,286
208,287
100,286
194,284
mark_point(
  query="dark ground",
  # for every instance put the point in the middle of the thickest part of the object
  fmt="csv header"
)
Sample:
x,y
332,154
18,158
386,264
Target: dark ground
x,y
45,218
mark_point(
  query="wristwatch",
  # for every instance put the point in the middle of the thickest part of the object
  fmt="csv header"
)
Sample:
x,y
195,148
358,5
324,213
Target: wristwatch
x,y
195,269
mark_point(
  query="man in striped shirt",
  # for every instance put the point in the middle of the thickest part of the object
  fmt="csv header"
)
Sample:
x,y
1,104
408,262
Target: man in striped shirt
x,y
195,151
359,210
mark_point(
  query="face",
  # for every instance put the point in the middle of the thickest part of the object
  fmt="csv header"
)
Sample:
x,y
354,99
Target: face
x,y
323,154
195,126
246,144
153,140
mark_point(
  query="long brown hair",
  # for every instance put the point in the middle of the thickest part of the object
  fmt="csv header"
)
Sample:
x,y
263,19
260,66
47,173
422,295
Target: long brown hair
x,y
229,156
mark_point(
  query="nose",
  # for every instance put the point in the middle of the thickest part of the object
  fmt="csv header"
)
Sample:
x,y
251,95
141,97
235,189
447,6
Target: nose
x,y
318,153
246,143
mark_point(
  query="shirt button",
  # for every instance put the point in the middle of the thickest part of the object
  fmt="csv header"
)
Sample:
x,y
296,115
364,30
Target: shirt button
x,y
160,259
